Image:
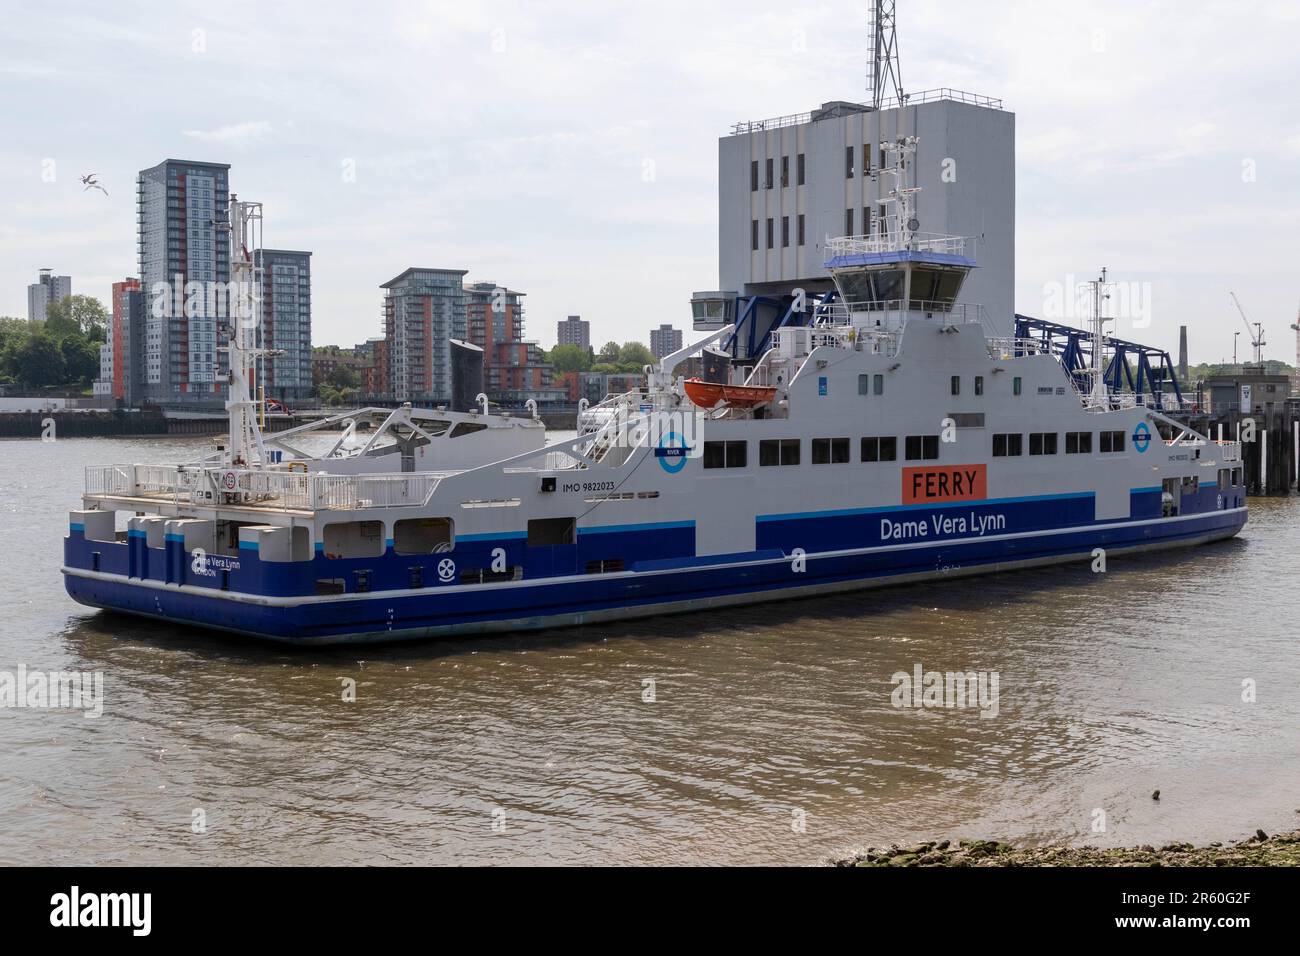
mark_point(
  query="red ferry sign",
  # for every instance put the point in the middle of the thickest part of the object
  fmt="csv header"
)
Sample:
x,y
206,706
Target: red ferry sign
x,y
923,486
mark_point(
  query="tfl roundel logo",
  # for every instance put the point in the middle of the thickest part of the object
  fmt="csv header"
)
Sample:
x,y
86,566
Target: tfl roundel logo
x,y
1142,437
672,457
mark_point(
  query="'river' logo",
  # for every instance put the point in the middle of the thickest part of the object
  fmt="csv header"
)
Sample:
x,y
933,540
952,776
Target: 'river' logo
x,y
1142,437
946,689
672,457
103,909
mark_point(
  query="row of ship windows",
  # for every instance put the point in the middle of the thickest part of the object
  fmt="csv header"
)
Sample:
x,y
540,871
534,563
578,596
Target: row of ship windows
x,y
875,385
835,451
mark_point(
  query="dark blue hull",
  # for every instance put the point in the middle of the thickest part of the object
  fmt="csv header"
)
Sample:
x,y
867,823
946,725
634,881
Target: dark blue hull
x,y
98,575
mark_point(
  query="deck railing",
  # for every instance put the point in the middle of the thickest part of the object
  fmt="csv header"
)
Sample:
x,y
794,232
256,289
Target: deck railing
x,y
282,490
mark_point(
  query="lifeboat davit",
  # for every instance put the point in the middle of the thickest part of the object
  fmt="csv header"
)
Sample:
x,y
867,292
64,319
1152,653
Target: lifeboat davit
x,y
710,394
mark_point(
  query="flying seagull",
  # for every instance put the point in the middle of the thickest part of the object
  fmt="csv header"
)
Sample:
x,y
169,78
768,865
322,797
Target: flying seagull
x,y
89,182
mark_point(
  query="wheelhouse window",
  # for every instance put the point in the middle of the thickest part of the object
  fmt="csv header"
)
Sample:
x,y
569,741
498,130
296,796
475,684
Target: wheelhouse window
x,y
778,451
979,384
1112,442
830,451
956,385
1015,385
880,449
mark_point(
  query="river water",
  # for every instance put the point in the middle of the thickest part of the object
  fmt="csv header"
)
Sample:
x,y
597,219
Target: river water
x,y
771,736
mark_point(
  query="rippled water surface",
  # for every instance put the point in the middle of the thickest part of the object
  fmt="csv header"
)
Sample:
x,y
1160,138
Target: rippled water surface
x,y
1111,686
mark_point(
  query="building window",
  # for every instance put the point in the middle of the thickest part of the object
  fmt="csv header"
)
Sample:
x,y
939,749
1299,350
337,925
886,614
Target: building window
x,y
770,234
878,385
785,232
882,158
866,220
725,454
848,162
979,384
784,451
1112,442
956,385
1042,443
1015,385
922,447
785,171
1008,446
880,449
753,235
830,451
753,175
801,229
769,173
1078,443
848,222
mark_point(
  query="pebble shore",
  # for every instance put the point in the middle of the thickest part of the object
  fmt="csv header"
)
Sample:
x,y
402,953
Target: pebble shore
x,y
1260,850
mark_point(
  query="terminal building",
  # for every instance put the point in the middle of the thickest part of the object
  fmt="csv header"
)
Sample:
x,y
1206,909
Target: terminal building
x,y
788,185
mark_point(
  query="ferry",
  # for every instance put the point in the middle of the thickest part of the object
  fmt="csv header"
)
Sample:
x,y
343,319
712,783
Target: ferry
x,y
885,435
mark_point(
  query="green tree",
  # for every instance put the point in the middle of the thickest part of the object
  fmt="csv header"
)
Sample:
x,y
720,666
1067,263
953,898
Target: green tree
x,y
609,352
570,358
77,313
634,356
38,362
80,360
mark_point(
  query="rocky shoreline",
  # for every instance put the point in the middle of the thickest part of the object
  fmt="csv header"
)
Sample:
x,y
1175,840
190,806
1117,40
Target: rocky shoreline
x,y
1260,850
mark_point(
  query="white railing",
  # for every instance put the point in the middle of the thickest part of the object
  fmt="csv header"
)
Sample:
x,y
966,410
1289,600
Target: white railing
x,y
893,102
1005,348
352,492
267,489
895,242
110,479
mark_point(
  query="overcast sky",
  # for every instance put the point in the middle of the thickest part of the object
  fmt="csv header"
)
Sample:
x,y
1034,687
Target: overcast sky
x,y
1159,139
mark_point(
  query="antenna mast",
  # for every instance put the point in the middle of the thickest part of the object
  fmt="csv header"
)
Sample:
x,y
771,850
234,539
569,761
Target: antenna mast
x,y
883,70
245,225
1100,293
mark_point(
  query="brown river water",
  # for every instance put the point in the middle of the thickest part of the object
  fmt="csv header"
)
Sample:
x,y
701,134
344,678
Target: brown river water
x,y
771,736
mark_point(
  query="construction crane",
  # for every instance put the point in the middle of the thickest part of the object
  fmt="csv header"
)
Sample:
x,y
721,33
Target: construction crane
x,y
1295,327
1257,338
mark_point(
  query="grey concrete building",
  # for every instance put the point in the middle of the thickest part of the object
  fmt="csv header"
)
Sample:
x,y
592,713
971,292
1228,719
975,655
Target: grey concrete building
x,y
181,205
44,292
787,184
286,322
665,340
423,310
573,331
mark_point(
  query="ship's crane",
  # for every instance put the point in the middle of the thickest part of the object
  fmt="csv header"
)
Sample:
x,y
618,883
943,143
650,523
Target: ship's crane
x,y
1257,338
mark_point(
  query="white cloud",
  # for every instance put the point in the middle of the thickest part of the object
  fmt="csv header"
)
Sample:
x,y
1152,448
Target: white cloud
x,y
238,135
510,138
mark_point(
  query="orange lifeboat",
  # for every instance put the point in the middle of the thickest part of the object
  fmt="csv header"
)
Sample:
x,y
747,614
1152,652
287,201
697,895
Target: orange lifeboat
x,y
709,394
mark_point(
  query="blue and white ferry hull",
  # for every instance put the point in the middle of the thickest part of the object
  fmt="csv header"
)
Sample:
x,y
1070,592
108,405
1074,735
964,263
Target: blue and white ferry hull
x,y
653,587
